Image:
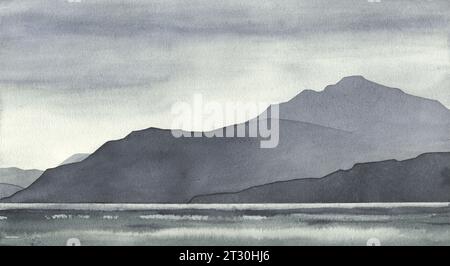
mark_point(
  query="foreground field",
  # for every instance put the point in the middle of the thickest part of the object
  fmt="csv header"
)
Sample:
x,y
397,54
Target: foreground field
x,y
273,224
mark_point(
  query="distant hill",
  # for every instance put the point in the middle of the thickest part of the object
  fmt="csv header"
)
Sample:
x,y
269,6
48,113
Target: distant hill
x,y
351,122
7,190
19,177
423,179
78,157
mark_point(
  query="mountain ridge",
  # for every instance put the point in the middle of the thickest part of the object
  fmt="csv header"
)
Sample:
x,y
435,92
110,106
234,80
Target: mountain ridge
x,y
7,190
233,197
354,100
151,166
19,177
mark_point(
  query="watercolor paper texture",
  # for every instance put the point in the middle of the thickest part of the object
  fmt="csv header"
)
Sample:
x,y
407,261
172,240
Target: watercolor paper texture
x,y
224,122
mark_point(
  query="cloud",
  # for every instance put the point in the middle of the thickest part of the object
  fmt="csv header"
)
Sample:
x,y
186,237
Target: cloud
x,y
129,19
96,70
113,44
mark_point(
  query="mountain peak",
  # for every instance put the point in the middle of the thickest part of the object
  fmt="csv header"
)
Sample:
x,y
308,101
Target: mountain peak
x,y
358,84
354,78
356,103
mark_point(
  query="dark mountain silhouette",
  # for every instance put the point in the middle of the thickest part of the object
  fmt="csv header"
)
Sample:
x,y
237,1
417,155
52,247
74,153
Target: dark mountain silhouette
x,y
78,157
19,177
423,179
320,132
7,190
153,166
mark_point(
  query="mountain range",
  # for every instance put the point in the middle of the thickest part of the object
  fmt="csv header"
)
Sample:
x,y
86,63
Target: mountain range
x,y
14,179
7,190
351,122
18,177
422,179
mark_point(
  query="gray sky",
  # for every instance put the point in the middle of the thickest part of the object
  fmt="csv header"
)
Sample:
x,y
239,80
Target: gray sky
x,y
74,75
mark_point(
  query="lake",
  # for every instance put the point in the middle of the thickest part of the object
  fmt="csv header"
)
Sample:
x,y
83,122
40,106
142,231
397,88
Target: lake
x,y
229,224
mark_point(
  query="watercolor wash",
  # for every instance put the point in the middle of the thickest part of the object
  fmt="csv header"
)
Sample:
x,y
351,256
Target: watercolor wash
x,y
224,123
